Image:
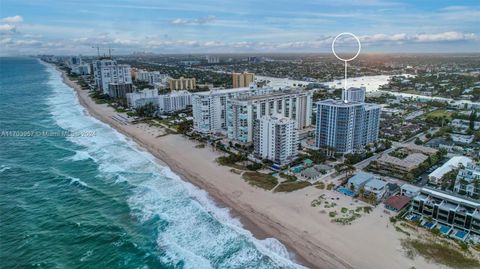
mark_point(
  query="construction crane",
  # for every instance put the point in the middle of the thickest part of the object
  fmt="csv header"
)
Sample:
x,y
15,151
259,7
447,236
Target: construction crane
x,y
98,50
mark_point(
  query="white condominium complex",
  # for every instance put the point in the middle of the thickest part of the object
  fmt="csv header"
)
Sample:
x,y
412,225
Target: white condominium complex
x,y
182,84
244,110
276,139
138,99
346,126
165,103
210,108
150,76
354,94
244,79
107,71
174,101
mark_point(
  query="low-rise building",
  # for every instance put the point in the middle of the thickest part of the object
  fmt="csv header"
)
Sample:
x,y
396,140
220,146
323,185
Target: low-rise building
x,y
448,210
468,181
462,139
414,156
150,76
376,187
396,203
409,190
359,180
452,164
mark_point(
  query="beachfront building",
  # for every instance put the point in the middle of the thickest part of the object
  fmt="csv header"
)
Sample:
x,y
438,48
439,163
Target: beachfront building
x,y
359,180
150,76
468,181
346,126
107,71
241,80
141,98
454,216
81,69
454,163
276,139
242,111
182,84
409,190
375,187
119,90
396,203
174,101
210,107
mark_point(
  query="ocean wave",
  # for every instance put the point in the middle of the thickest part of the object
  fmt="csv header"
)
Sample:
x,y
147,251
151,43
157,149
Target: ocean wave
x,y
4,168
198,233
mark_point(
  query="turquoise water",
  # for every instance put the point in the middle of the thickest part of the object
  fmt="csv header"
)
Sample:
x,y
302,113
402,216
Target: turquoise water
x,y
92,199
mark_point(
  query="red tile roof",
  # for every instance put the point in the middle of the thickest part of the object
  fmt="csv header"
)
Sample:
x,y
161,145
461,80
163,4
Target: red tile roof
x,y
398,202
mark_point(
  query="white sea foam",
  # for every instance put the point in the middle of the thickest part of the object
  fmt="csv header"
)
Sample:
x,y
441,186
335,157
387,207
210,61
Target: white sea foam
x,y
198,232
4,168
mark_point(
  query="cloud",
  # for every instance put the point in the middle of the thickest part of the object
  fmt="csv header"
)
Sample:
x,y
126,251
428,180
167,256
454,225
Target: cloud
x,y
13,19
197,21
446,36
7,28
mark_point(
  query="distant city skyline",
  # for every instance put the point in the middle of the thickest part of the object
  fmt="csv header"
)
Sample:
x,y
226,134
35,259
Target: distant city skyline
x,y
213,26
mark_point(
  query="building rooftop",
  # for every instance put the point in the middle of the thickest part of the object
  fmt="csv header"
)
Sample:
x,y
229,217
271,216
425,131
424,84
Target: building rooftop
x,y
360,178
397,202
451,164
376,184
410,188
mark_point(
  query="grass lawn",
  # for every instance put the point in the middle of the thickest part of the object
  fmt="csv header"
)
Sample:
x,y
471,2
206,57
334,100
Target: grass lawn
x,y
264,181
289,186
439,113
439,253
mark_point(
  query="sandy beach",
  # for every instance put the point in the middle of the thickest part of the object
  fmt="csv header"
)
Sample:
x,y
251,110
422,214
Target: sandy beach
x,y
370,242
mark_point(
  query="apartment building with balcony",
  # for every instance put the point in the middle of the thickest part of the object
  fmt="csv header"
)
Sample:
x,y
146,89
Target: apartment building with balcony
x,y
449,211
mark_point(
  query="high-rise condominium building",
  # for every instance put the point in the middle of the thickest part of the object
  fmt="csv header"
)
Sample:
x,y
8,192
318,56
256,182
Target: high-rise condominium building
x,y
354,94
244,110
346,126
242,79
182,84
276,139
174,101
150,76
210,108
107,71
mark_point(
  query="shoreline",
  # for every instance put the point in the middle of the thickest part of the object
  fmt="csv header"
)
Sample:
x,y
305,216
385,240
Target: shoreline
x,y
309,235
185,175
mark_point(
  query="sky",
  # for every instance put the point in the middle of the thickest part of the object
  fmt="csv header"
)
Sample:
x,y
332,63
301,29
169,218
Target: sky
x,y
241,26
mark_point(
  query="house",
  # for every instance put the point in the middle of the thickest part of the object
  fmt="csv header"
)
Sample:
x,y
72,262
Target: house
x,y
359,180
311,173
377,187
462,139
397,202
409,190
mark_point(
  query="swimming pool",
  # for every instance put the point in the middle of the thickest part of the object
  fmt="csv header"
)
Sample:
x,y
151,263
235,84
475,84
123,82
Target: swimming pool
x,y
346,191
444,229
428,225
460,234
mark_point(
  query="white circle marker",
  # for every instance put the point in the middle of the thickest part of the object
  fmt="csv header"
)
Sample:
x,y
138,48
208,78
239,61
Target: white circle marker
x,y
346,60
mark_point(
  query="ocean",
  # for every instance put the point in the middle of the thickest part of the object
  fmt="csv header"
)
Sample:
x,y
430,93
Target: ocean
x,y
75,193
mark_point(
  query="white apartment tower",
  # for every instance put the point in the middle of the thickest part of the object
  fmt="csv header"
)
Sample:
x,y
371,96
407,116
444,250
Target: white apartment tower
x,y
243,111
107,71
210,108
276,139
